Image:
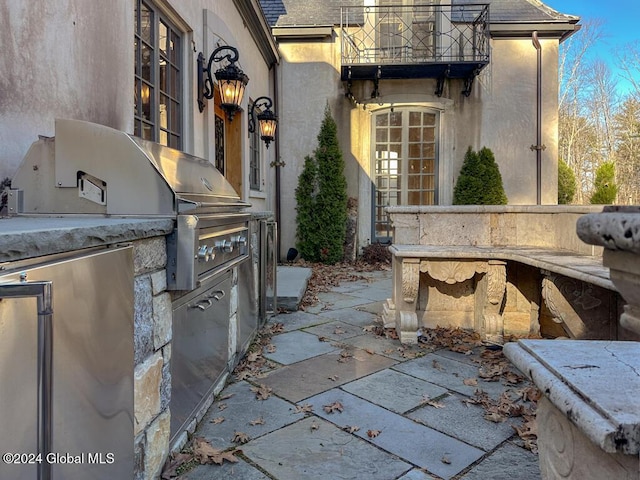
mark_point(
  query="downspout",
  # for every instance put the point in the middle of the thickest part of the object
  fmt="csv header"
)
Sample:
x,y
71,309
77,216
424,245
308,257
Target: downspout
x,y
538,147
277,161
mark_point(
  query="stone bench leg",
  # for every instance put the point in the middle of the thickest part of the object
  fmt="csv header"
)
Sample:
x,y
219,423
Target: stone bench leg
x,y
399,312
490,293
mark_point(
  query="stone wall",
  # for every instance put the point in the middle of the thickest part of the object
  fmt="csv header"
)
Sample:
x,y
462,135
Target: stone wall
x,y
152,355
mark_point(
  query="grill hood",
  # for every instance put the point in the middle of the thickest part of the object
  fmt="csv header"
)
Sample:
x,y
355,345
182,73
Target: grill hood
x,y
92,169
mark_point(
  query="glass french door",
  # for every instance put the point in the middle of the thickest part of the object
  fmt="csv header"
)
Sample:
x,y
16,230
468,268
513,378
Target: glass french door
x,y
405,162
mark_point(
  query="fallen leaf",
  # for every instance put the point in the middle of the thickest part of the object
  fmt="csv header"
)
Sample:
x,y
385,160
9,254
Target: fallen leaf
x,y
324,339
222,406
257,421
262,392
271,348
334,407
172,464
253,356
352,429
494,417
437,365
369,351
306,408
205,453
240,437
513,378
314,426
244,374
373,433
369,328
472,382
339,331
217,420
226,397
446,460
333,378
426,399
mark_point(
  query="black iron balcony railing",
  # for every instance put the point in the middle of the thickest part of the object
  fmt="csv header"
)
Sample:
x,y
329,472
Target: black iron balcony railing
x,y
415,41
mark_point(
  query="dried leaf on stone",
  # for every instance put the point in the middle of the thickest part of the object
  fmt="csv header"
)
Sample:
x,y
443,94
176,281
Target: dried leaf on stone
x,y
334,407
529,394
445,459
253,356
494,417
339,331
513,378
351,429
373,433
306,408
205,453
529,433
333,378
391,333
314,426
369,328
244,374
369,351
217,420
471,382
257,421
271,348
174,461
222,406
262,392
240,437
426,399
435,364
491,373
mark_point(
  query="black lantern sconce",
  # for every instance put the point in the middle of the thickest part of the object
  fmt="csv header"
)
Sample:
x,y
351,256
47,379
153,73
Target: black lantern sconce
x,y
267,120
231,80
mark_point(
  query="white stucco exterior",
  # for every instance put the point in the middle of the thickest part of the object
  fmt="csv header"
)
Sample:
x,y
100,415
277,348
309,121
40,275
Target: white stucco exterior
x,y
500,113
75,59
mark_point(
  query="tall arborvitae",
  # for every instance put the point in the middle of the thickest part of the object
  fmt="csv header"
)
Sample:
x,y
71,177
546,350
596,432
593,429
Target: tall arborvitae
x,y
322,199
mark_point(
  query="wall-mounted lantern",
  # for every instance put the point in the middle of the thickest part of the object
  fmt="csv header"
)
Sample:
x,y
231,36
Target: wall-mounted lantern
x,y
267,120
231,80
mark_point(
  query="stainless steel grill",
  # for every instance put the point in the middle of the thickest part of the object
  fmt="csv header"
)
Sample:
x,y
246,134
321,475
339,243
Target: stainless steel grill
x,y
92,169
89,169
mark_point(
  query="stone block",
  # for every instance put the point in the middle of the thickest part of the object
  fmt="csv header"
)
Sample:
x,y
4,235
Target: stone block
x,y
162,316
158,281
142,318
149,254
157,447
147,381
566,453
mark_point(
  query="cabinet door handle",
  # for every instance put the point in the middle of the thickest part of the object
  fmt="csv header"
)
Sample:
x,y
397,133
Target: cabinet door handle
x,y
43,291
202,304
218,294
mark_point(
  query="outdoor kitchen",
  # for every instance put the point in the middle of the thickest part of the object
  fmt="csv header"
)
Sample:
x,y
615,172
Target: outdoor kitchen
x,y
132,279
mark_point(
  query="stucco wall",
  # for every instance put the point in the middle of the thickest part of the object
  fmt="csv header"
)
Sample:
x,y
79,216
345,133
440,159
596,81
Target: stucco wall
x,y
63,58
500,114
74,59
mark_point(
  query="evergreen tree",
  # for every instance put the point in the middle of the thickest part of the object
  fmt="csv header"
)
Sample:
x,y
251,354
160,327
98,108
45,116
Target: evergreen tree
x,y
305,198
566,183
480,181
605,188
322,199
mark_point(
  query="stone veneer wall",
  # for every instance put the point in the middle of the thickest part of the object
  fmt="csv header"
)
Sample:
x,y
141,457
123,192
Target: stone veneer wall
x,y
152,355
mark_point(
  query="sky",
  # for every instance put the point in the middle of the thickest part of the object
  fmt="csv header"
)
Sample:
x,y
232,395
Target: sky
x,y
620,26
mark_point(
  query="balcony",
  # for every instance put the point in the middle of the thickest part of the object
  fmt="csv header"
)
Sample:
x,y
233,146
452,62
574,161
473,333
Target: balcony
x,y
418,41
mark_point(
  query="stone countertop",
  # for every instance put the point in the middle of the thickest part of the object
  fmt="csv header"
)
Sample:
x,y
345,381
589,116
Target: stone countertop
x,y
34,236
594,383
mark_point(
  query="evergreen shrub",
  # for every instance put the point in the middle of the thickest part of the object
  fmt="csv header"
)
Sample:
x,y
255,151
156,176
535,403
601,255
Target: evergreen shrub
x,y
605,188
566,183
480,181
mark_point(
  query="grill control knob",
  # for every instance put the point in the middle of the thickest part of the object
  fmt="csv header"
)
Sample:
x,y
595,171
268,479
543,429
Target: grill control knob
x,y
239,241
203,253
224,246
211,251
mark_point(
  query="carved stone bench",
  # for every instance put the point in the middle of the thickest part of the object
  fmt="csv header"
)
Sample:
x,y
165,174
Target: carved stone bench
x,y
589,417
498,290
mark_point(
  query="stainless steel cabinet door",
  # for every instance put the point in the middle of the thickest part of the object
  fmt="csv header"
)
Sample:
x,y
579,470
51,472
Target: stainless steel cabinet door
x,y
92,394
